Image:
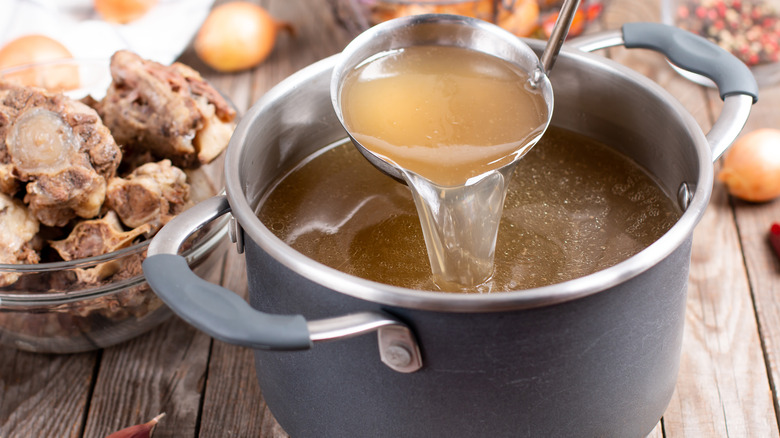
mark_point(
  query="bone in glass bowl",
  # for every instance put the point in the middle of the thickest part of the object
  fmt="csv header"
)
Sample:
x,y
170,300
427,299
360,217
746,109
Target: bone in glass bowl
x,y
61,306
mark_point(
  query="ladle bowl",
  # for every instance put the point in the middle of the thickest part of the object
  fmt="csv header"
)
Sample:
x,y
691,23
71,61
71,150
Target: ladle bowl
x,y
433,30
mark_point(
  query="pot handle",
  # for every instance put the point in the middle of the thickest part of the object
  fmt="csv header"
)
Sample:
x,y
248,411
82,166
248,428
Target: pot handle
x,y
735,82
225,316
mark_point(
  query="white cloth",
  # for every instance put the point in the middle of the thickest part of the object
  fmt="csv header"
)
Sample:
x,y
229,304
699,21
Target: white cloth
x,y
160,35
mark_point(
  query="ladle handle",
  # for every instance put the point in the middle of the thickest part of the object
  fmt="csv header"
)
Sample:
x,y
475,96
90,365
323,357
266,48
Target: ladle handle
x,y
735,82
558,34
227,317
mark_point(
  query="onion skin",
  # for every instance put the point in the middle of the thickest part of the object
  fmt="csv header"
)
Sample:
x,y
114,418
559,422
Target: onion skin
x,y
751,167
30,49
237,36
33,49
522,21
123,11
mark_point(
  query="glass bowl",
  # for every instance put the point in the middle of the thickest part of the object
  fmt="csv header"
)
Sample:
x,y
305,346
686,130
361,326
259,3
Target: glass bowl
x,y
50,307
524,18
48,310
749,29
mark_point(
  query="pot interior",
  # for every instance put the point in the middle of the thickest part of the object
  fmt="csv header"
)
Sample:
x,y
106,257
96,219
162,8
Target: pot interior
x,y
593,96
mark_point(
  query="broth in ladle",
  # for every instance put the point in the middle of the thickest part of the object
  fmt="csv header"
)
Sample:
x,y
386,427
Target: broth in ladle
x,y
455,121
576,207
447,114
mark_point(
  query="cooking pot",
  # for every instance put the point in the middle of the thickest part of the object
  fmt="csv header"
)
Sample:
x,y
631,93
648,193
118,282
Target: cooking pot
x,y
594,356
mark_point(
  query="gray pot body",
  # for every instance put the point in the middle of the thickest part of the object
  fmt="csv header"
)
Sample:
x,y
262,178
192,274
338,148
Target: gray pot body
x,y
596,356
601,366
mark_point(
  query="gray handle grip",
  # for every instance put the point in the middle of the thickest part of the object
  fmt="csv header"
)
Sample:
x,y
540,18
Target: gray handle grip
x,y
210,307
694,53
227,317
218,311
737,86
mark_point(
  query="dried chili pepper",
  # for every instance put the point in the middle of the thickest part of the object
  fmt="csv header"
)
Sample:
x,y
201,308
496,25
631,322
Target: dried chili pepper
x,y
139,430
774,237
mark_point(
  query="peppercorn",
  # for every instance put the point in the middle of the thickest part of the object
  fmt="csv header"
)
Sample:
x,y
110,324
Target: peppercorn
x,y
749,30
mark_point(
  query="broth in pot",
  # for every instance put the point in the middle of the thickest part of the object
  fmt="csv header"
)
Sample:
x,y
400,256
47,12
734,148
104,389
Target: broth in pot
x,y
574,207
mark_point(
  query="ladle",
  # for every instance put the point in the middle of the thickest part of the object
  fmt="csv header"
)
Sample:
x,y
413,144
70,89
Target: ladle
x,y
459,202
449,30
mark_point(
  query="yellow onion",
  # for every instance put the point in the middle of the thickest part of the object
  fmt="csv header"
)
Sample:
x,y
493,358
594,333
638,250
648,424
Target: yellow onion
x,y
123,11
237,36
751,167
34,49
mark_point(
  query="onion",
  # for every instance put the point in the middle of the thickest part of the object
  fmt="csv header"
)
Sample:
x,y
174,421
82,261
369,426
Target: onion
x,y
123,11
33,49
522,21
751,167
237,36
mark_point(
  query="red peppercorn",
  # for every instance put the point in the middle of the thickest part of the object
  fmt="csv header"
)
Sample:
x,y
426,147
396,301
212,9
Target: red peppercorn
x,y
743,28
721,8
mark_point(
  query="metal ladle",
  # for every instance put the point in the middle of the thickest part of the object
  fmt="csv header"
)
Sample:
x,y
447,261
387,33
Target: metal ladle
x,y
448,30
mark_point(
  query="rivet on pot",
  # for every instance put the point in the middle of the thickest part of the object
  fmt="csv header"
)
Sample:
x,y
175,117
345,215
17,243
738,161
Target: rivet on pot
x,y
398,349
684,196
398,356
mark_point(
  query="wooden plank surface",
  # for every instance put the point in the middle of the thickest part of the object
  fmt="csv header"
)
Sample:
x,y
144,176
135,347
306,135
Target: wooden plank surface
x,y
44,395
233,405
159,372
723,388
209,389
763,266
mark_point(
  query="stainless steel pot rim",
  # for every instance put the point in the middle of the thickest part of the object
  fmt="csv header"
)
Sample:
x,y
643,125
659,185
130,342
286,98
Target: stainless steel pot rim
x,y
456,302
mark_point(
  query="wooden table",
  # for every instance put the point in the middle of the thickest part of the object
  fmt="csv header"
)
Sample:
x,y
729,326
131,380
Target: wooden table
x,y
208,389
